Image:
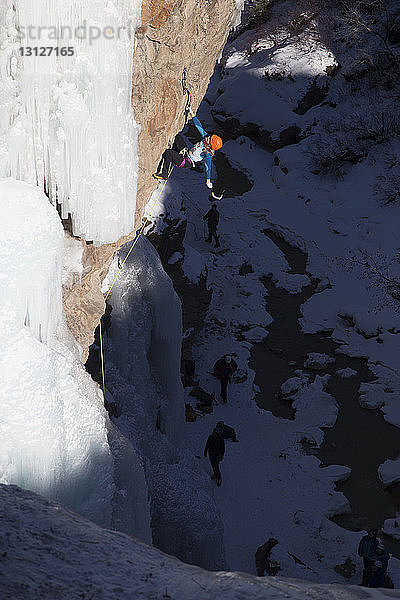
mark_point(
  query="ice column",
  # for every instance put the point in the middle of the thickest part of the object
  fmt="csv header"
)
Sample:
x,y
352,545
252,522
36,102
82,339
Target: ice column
x,y
66,122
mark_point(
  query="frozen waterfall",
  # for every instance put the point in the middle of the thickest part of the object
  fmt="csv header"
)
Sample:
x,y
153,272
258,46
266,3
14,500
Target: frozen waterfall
x,y
66,122
55,435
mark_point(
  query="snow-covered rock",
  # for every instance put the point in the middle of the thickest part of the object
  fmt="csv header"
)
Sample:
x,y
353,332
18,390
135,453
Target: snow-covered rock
x,y
389,472
372,395
317,361
391,527
292,385
292,283
346,373
49,552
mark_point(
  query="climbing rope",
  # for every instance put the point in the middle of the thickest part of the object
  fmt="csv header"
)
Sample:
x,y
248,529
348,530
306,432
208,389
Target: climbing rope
x,y
139,233
186,92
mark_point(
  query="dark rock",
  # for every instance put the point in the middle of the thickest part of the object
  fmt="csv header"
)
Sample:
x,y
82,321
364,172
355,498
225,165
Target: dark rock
x,y
289,136
232,129
332,70
245,268
394,31
112,408
314,96
347,569
204,397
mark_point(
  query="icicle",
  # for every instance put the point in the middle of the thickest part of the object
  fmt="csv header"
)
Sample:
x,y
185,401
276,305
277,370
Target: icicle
x,y
67,123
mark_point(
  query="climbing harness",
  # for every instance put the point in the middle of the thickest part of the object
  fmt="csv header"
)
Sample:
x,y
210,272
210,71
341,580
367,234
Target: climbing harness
x,y
186,92
120,267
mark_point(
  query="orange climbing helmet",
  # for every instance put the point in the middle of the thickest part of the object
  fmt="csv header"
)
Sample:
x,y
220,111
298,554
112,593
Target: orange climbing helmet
x,y
216,142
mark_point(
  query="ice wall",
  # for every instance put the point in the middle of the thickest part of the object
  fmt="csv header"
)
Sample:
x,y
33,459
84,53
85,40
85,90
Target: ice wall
x,y
66,122
55,435
31,245
142,359
143,299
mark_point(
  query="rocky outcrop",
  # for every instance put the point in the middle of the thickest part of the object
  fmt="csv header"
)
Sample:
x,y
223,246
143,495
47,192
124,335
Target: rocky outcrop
x,y
174,34
83,301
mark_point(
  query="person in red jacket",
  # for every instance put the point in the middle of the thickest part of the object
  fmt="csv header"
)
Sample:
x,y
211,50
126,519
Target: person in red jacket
x,y
224,368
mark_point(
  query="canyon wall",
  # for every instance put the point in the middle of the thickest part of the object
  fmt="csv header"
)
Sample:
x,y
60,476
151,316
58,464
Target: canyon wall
x,y
174,34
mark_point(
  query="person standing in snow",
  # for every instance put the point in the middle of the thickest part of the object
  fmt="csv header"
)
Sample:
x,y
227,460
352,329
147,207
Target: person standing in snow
x,y
262,557
203,151
228,433
367,550
224,368
212,218
215,447
378,577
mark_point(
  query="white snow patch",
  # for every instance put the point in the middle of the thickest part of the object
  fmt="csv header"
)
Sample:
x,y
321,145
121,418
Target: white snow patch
x,y
292,283
194,264
372,395
72,267
389,472
346,373
79,558
391,527
255,334
292,385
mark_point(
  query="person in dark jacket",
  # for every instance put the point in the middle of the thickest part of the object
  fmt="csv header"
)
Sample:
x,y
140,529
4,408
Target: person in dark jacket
x,y
262,557
224,368
212,218
379,567
228,433
367,550
215,447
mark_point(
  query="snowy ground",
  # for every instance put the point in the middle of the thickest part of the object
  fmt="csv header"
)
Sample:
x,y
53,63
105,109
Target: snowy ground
x,y
270,487
49,552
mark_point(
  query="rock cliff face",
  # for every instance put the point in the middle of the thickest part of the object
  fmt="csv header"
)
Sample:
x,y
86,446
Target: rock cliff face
x,y
174,34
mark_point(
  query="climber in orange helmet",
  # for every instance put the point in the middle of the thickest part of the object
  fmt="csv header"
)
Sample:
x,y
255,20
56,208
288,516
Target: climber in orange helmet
x,y
203,151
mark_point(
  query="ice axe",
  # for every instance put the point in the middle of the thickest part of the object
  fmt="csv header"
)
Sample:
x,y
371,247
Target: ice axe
x,y
215,197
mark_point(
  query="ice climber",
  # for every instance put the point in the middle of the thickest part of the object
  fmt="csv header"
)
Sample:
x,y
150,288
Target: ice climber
x,y
212,218
215,447
367,550
224,368
228,433
180,156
